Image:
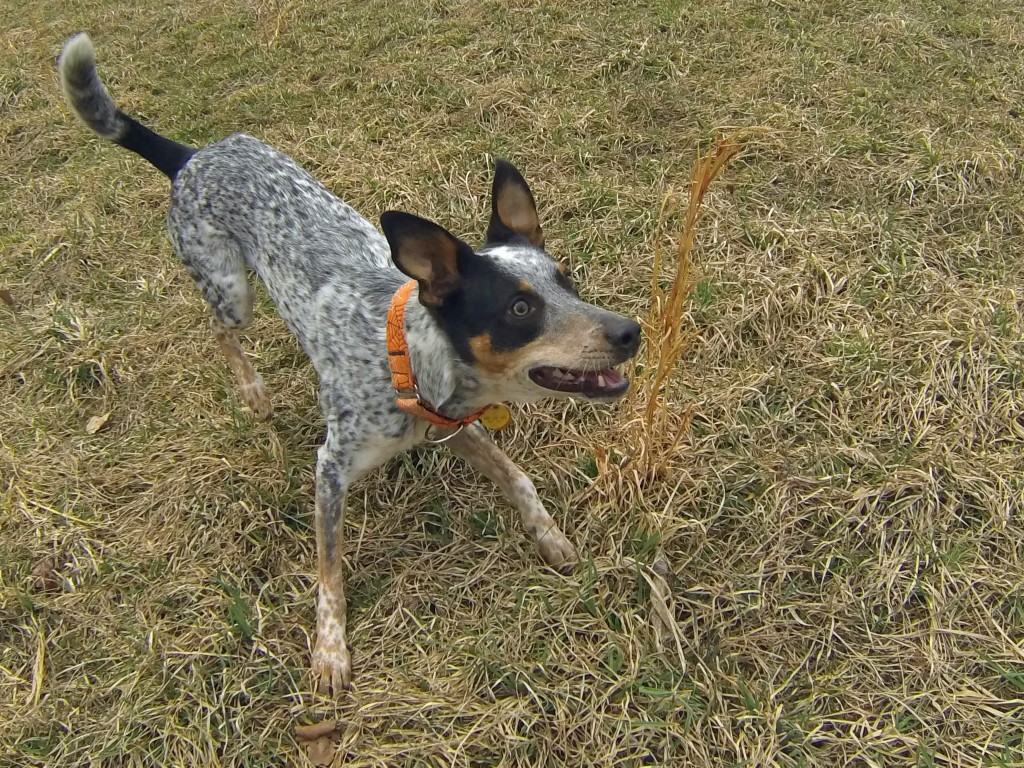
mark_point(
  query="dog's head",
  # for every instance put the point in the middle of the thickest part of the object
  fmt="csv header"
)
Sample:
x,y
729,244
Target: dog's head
x,y
509,309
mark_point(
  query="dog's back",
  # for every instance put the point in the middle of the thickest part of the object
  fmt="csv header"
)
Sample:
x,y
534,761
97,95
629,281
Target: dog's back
x,y
243,199
239,204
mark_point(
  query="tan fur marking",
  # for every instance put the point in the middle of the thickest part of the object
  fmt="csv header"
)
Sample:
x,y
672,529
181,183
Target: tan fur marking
x,y
560,347
250,384
332,665
431,259
491,361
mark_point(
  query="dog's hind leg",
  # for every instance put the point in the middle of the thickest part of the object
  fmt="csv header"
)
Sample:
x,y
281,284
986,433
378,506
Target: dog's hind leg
x,y
250,384
473,445
215,262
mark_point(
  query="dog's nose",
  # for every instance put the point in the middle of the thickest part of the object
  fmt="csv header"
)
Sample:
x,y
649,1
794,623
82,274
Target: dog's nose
x,y
624,335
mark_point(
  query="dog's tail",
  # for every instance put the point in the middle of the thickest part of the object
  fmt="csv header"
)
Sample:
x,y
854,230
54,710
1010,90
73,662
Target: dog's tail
x,y
89,100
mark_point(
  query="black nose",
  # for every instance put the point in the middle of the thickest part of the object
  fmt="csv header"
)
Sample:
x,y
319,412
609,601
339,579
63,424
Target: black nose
x,y
624,335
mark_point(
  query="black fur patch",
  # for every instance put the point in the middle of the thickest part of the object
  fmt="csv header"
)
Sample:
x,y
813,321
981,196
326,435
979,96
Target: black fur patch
x,y
482,305
167,156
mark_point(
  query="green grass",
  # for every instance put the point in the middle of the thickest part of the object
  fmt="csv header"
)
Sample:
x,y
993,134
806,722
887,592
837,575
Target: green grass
x,y
837,539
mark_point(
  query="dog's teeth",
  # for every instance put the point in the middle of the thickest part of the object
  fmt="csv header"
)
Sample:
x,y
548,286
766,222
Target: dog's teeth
x,y
600,381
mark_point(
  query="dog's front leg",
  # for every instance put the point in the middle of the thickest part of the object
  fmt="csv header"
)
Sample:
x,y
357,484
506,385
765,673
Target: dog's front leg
x,y
473,445
332,667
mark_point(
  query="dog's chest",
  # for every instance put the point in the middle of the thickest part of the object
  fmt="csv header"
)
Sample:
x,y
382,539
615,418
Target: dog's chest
x,y
372,450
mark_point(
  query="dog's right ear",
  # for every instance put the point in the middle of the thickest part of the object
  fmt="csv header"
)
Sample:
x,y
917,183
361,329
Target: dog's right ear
x,y
427,253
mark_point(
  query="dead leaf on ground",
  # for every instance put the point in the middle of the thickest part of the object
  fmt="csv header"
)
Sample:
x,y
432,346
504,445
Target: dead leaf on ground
x,y
44,576
318,739
96,423
7,298
661,566
314,731
321,751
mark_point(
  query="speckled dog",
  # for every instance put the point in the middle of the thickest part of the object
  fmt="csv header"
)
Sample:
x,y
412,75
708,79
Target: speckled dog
x,y
504,323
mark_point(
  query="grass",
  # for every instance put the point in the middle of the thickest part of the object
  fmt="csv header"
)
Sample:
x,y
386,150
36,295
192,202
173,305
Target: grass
x,y
828,571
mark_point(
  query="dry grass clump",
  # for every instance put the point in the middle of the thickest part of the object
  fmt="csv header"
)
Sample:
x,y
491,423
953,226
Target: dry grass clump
x,y
828,568
658,429
666,311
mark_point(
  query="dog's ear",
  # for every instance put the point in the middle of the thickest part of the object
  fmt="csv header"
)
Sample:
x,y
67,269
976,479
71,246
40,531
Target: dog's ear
x,y
513,211
427,253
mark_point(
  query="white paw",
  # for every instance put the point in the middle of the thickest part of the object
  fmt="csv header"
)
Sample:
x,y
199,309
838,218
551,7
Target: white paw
x,y
254,394
332,667
556,550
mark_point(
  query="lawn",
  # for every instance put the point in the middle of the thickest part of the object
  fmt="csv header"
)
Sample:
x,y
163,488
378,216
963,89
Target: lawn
x,y
828,569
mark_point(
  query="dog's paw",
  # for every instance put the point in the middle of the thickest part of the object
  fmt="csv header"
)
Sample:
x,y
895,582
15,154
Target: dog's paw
x,y
254,394
332,668
556,550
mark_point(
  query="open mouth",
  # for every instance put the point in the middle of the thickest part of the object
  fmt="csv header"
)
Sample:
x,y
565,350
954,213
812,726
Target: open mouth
x,y
596,384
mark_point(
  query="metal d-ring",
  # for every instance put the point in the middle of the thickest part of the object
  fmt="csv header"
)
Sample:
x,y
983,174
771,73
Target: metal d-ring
x,y
444,439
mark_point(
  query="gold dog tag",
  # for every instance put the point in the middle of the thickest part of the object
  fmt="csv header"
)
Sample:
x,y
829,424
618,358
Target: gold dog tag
x,y
496,417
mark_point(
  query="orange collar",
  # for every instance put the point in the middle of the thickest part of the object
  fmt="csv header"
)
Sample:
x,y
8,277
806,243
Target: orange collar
x,y
402,378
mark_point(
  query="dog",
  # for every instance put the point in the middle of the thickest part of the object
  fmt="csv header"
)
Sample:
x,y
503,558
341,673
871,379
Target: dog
x,y
414,335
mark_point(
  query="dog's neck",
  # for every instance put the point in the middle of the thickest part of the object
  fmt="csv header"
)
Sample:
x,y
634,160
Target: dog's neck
x,y
448,384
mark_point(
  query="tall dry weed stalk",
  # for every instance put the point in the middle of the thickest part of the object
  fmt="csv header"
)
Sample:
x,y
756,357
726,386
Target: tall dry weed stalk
x,y
658,431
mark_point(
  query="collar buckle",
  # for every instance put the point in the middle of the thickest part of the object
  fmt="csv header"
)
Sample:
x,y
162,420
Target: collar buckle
x,y
409,393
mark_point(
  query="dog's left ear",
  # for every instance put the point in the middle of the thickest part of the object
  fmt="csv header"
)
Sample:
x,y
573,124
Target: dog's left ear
x,y
426,252
513,211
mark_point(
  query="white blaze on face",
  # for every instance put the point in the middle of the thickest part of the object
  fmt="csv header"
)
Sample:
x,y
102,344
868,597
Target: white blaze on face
x,y
573,336
521,262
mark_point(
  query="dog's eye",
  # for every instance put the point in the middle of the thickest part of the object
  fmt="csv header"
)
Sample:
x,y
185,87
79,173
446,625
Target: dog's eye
x,y
520,308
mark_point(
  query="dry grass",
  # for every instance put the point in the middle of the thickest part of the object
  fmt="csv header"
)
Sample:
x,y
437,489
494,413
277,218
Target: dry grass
x,y
828,573
656,434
